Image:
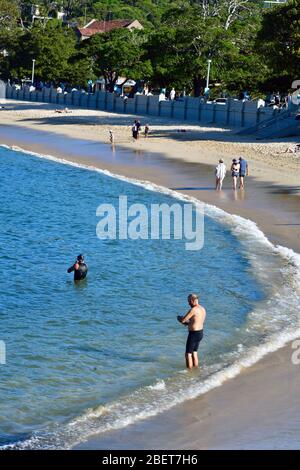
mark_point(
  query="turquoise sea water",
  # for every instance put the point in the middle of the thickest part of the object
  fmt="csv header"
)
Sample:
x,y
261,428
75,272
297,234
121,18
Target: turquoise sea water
x,y
88,357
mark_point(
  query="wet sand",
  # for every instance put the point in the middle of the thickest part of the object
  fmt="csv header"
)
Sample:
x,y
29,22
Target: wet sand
x,y
260,407
182,141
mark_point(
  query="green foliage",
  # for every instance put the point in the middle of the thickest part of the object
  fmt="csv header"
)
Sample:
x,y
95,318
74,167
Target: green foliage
x,y
52,47
250,48
9,31
188,39
9,14
147,11
119,53
279,42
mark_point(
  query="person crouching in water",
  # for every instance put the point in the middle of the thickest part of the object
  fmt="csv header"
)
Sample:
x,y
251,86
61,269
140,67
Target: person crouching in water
x,y
80,269
194,319
220,173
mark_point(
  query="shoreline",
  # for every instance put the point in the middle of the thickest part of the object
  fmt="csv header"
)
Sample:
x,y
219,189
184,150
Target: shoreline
x,y
267,204
274,208
245,412
188,141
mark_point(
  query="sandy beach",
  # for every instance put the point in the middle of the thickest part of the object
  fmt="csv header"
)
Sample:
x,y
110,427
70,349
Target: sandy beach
x,y
179,141
259,408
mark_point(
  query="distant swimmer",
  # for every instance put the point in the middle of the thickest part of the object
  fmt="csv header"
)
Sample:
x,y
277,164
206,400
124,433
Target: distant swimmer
x,y
80,269
194,319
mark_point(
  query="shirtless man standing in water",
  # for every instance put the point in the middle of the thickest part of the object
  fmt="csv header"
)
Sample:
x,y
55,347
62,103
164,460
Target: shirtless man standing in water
x,y
195,319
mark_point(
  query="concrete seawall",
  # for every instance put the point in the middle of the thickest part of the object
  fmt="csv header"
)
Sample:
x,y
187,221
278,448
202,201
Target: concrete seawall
x,y
231,114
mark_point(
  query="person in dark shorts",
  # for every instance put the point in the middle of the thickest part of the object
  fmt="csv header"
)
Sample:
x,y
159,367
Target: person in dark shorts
x,y
193,341
235,172
244,171
80,269
194,319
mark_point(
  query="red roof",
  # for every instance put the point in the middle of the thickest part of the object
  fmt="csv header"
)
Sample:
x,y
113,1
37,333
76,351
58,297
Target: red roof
x,y
98,26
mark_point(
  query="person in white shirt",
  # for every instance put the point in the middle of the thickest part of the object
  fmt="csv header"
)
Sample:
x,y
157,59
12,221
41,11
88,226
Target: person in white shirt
x,y
172,94
220,173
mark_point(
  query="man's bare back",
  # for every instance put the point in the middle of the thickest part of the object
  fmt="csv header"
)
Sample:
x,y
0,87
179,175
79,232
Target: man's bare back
x,y
197,316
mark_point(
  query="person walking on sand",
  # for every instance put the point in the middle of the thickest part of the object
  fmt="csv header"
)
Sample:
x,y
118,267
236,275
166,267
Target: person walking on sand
x,y
244,171
220,173
134,131
111,137
235,172
146,131
195,319
138,125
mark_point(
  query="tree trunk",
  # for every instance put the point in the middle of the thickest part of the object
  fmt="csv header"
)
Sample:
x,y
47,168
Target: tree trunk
x,y
199,84
111,85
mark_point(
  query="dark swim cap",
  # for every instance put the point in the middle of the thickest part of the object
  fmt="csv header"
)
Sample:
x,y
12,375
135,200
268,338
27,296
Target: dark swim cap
x,y
80,258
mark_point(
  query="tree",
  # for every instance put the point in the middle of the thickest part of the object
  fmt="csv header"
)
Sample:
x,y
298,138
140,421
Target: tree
x,y
9,14
244,68
149,12
229,10
189,36
53,47
119,53
280,46
179,51
9,32
238,10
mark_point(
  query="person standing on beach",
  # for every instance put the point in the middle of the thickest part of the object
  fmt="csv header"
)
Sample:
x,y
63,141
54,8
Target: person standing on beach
x,y
172,94
80,269
138,125
235,172
244,171
146,131
134,130
111,137
220,173
195,319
